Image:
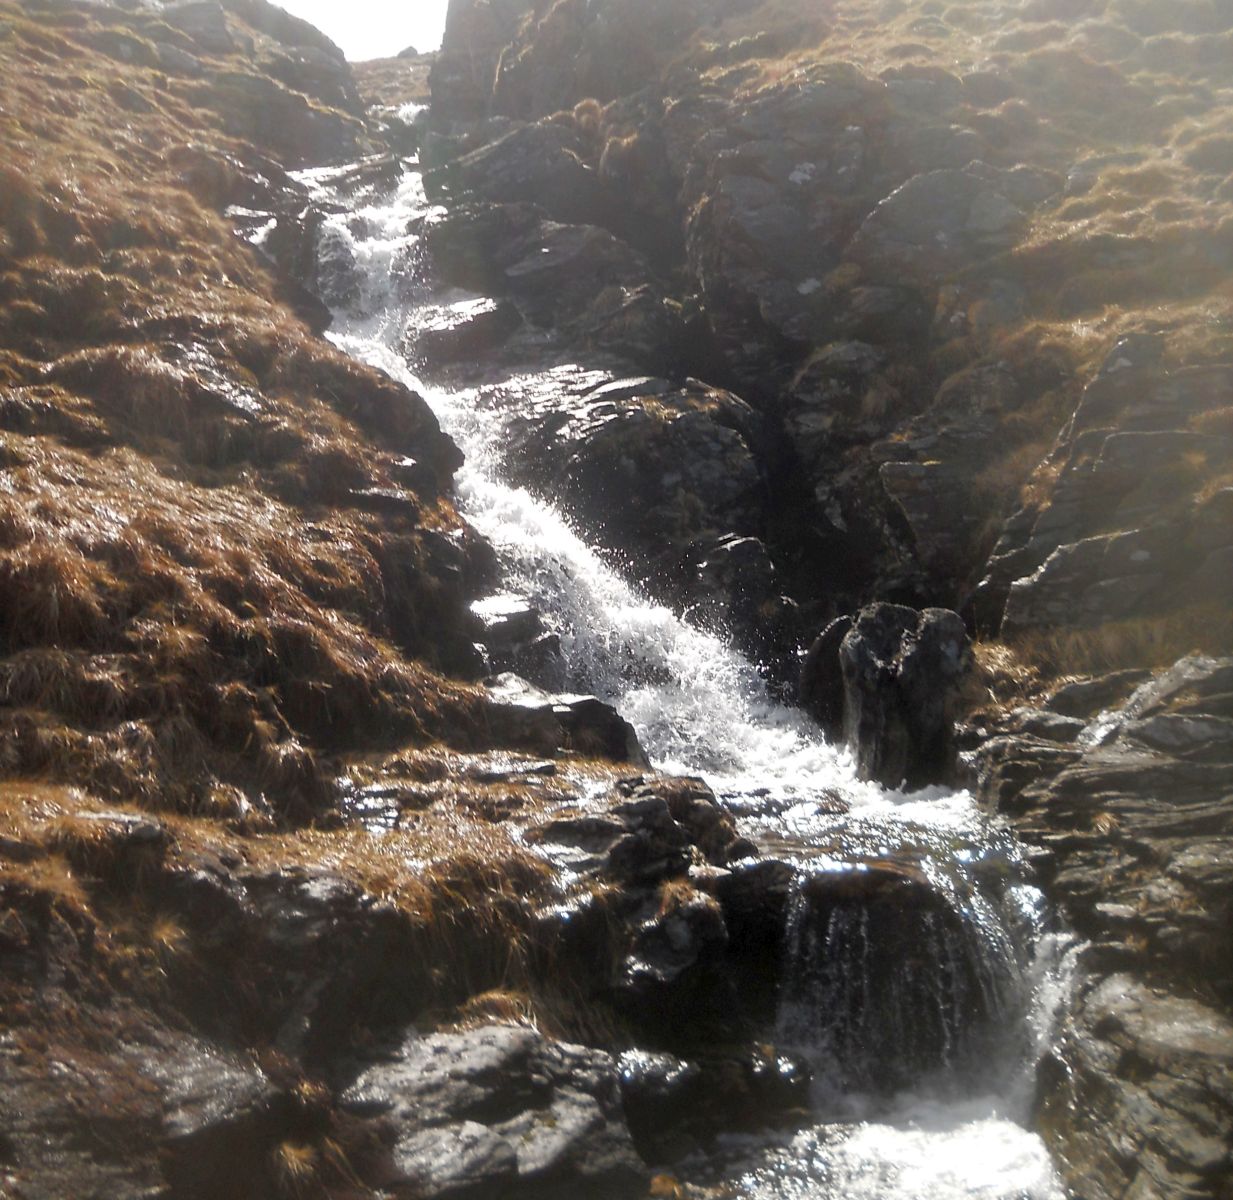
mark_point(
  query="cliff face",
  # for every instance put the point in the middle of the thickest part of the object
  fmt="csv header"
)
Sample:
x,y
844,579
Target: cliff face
x,y
963,273
913,240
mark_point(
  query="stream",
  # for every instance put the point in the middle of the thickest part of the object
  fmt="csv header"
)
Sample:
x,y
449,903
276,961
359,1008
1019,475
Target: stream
x,y
953,1005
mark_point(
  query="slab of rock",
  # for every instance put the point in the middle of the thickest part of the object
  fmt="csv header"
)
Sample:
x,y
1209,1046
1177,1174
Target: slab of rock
x,y
1148,1074
585,724
1132,829
501,1111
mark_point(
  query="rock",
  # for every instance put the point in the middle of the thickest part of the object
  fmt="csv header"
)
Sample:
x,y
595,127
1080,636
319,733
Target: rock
x,y
586,726
514,640
317,73
1086,697
501,1111
222,1120
940,221
647,831
263,111
464,330
683,460
204,21
540,164
660,1094
285,28
1149,1070
1096,580
902,671
737,591
821,688
476,32
1146,781
1128,523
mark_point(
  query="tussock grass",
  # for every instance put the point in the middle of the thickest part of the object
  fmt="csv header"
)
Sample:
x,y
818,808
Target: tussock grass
x,y
1142,642
1024,668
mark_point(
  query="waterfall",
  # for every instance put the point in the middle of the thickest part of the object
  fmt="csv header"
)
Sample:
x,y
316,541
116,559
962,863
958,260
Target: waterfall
x,y
881,992
884,988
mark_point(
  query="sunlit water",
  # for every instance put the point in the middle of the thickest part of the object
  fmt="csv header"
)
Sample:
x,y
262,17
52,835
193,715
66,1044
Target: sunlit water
x,y
701,708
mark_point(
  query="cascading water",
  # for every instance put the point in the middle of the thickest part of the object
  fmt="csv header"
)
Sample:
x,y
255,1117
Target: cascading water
x,y
945,1001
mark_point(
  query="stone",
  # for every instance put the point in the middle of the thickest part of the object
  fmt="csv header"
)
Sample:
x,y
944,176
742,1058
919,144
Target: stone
x,y
501,1111
1152,1067
539,164
465,330
584,725
937,222
821,689
682,459
902,673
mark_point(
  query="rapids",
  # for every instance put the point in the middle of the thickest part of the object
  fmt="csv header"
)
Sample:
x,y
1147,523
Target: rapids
x,y
700,708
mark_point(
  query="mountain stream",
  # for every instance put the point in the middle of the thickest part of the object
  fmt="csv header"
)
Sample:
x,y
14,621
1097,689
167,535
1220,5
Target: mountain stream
x,y
957,999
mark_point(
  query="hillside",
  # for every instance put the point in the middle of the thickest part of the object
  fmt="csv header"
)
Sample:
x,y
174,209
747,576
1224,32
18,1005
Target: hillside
x,y
811,319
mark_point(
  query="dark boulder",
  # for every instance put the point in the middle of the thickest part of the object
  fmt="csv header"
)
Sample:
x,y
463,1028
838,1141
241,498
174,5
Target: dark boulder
x,y
890,679
821,684
541,164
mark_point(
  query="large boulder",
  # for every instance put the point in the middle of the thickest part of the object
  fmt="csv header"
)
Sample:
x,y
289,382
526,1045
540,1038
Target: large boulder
x,y
541,164
500,1111
901,673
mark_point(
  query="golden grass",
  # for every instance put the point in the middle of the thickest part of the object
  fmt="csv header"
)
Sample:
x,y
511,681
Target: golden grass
x,y
1023,668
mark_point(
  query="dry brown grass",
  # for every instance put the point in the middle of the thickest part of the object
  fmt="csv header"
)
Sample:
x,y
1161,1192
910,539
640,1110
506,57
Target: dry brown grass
x,y
1024,668
1142,642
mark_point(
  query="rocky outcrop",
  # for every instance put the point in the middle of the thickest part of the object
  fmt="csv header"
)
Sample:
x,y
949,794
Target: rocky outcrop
x,y
888,681
1132,522
1123,792
883,265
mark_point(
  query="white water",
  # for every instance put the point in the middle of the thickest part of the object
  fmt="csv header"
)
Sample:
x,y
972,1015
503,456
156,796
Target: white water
x,y
699,707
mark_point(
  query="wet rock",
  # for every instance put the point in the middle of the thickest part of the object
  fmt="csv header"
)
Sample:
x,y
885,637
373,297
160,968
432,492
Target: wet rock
x,y
647,831
593,288
222,1120
1051,726
1149,1071
660,1094
466,244
540,164
855,946
738,589
901,674
821,688
514,640
501,1111
681,458
1145,781
464,330
584,725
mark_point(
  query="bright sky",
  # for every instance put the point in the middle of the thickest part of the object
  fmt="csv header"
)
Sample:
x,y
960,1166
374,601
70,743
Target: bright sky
x,y
375,28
